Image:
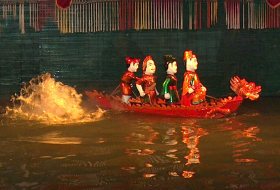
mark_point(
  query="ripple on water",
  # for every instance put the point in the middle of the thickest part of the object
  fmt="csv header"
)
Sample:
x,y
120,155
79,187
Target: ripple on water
x,y
52,138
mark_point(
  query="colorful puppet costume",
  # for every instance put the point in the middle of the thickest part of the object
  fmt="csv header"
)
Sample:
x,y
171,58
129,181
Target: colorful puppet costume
x,y
193,91
170,86
148,82
146,85
126,82
128,78
191,80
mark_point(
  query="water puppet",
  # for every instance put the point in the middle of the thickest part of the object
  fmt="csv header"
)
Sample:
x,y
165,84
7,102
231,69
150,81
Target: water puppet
x,y
128,78
169,87
193,92
193,103
146,85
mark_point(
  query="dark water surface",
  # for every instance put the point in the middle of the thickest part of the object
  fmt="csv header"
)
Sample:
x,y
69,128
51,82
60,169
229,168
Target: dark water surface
x,y
129,151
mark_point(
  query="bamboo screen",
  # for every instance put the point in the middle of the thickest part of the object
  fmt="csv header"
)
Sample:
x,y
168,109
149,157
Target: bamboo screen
x,y
112,15
251,15
120,15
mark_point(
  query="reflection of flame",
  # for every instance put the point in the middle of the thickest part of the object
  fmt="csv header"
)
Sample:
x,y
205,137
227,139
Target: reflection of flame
x,y
52,102
53,138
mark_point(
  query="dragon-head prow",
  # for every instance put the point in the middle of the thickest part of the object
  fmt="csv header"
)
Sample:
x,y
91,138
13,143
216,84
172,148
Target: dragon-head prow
x,y
245,89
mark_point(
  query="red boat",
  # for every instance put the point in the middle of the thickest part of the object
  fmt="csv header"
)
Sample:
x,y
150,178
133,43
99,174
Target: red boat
x,y
215,108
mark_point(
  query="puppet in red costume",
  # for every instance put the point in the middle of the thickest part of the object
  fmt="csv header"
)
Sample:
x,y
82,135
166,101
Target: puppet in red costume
x,y
128,78
193,91
147,84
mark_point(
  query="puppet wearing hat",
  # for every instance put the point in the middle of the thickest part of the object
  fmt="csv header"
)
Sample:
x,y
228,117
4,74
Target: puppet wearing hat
x,y
169,90
193,91
147,84
128,78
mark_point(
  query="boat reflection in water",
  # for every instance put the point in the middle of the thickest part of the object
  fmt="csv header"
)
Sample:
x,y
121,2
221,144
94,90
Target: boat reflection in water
x,y
191,136
243,139
171,151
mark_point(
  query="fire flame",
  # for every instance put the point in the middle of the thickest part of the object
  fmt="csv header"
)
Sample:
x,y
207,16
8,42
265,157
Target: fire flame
x,y
45,100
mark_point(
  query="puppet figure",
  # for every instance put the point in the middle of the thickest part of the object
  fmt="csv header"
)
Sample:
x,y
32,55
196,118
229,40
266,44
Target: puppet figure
x,y
128,78
169,90
147,84
193,91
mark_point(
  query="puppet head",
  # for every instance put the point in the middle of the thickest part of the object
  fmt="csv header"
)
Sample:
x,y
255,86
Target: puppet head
x,y
132,64
170,64
149,67
190,60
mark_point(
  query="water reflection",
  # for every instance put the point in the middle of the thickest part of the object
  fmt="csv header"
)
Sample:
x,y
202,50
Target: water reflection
x,y
141,141
134,152
173,150
244,138
191,135
148,136
170,149
170,138
141,152
52,138
243,142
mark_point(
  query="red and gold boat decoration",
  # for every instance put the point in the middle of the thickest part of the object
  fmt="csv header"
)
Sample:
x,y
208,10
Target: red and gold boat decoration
x,y
215,108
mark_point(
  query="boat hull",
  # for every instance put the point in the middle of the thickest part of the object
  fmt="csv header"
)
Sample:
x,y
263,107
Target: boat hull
x,y
214,109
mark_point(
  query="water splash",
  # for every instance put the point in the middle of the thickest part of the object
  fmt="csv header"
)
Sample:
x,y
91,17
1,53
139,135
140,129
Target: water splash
x,y
45,100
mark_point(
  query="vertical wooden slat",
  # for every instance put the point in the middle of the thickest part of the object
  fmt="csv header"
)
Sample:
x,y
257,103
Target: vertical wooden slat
x,y
30,15
22,17
190,15
37,17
